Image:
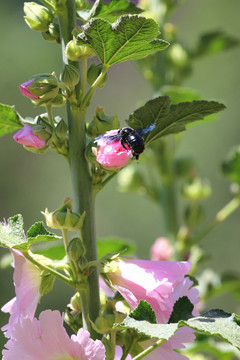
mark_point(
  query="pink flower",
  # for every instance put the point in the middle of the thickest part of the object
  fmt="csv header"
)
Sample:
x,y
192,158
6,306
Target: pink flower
x,y
111,154
47,339
26,137
161,250
24,89
160,283
27,282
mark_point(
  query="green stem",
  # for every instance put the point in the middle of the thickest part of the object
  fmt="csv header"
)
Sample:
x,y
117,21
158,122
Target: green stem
x,y
84,78
149,349
222,215
94,86
84,201
81,179
28,255
48,4
50,115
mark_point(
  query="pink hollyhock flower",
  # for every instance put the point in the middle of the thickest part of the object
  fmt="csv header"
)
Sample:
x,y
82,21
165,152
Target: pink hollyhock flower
x,y
111,154
24,90
26,137
160,283
27,281
47,339
161,250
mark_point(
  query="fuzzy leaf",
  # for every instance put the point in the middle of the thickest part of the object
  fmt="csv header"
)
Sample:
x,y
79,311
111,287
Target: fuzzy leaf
x,y
131,37
170,119
9,119
38,234
213,322
144,311
111,11
182,310
11,232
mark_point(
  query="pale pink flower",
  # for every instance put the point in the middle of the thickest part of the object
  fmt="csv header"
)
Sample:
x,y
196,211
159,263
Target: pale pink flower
x,y
161,250
160,283
27,281
24,90
47,339
111,154
26,137
119,352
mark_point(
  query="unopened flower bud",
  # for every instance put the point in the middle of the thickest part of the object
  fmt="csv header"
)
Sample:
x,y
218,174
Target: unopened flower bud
x,y
76,52
37,17
93,72
41,89
75,249
70,76
80,4
26,137
75,303
161,250
178,55
196,189
104,323
64,217
53,33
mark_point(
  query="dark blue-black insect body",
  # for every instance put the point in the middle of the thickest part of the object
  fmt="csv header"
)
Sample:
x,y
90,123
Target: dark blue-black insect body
x,y
130,137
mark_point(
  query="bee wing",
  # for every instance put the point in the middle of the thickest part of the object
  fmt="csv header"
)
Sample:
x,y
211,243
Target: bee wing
x,y
146,130
109,139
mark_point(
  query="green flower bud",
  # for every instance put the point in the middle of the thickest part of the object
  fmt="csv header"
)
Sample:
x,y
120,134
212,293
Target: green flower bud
x,y
104,323
196,189
80,5
59,100
75,249
44,87
64,217
76,52
231,165
178,55
70,76
53,33
93,72
75,303
37,17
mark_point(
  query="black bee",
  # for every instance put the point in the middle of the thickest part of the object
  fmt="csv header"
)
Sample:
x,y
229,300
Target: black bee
x,y
130,137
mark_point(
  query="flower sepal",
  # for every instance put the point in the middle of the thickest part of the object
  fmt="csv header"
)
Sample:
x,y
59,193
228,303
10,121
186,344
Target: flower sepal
x,y
64,217
37,17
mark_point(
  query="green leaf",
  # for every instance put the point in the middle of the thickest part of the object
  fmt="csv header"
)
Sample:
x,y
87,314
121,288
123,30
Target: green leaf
x,y
144,311
213,43
170,119
158,331
214,322
217,322
182,310
9,119
52,251
131,37
38,234
111,11
11,232
113,245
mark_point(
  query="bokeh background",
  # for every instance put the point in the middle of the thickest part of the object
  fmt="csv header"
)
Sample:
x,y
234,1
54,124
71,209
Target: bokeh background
x,y
29,183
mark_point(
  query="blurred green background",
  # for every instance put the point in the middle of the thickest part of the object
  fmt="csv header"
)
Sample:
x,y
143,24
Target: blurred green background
x,y
29,183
